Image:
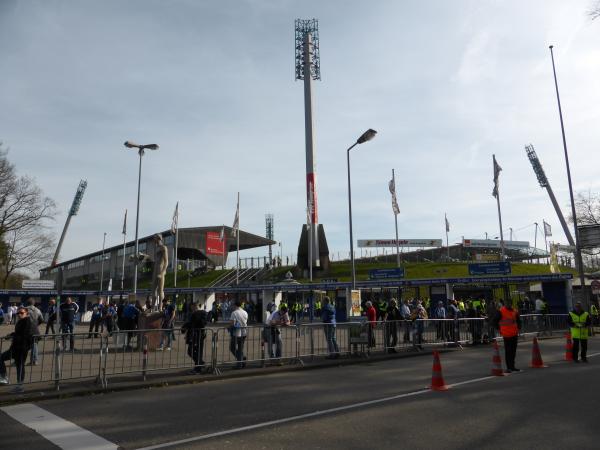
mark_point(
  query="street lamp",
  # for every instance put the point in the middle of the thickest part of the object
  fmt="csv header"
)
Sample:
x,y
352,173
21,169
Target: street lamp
x,y
141,148
366,136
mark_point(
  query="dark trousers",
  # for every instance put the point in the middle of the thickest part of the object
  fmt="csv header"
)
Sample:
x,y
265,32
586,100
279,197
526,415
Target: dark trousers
x,y
195,350
510,351
236,347
371,331
391,335
67,328
50,326
94,324
583,349
19,358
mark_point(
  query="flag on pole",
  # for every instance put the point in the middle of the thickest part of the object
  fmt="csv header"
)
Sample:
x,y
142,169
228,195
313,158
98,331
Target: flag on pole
x,y
236,220
310,208
175,219
392,186
222,235
497,170
547,229
125,223
447,223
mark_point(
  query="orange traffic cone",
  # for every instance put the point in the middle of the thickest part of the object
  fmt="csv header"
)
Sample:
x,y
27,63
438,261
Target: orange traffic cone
x,y
536,356
569,348
497,362
437,379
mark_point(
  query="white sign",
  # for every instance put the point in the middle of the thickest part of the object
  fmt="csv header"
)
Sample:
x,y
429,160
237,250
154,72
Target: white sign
x,y
494,243
401,242
37,284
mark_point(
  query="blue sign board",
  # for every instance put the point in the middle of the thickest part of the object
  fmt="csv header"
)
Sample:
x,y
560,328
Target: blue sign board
x,y
493,268
384,274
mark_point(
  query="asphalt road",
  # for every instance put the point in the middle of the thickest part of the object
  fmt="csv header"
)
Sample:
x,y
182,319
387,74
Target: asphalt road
x,y
555,407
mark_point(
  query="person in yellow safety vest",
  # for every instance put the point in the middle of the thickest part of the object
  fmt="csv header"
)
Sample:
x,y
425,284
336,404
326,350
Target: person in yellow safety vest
x,y
382,306
580,321
594,312
477,305
317,307
461,306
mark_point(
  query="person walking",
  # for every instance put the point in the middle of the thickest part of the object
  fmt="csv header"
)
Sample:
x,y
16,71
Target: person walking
x,y
195,334
579,321
278,319
95,321
372,322
439,314
239,331
329,324
391,319
9,314
508,322
22,340
37,318
52,310
68,311
168,323
405,312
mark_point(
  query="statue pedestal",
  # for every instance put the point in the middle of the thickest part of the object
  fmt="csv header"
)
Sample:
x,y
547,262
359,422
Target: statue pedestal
x,y
152,321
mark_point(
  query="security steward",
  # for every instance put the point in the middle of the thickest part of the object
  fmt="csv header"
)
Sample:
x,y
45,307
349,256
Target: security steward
x,y
580,321
508,322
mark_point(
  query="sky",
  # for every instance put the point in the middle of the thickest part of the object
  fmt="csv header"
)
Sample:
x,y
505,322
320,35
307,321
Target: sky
x,y
445,84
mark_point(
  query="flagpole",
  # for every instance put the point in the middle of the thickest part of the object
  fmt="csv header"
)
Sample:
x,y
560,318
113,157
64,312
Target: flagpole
x,y
500,222
535,240
237,251
176,244
546,241
124,244
447,246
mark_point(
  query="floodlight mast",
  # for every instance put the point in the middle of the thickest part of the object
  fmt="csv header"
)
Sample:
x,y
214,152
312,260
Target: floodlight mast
x,y
308,68
543,180
72,212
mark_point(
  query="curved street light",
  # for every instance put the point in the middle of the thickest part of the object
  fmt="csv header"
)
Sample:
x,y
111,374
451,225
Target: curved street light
x,y
366,136
140,148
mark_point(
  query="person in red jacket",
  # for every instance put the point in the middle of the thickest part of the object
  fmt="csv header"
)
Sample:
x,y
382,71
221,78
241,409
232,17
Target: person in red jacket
x,y
372,319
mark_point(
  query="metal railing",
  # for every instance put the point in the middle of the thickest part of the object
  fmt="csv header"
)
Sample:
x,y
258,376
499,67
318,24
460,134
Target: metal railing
x,y
67,357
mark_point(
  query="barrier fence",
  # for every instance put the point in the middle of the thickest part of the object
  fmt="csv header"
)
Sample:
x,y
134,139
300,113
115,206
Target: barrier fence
x,y
60,358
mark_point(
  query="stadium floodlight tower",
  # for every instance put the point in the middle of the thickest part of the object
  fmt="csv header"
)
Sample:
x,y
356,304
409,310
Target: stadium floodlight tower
x,y
543,180
269,234
72,212
312,250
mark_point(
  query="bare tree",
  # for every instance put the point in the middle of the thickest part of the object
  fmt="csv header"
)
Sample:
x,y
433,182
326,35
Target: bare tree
x,y
587,208
26,248
25,242
595,10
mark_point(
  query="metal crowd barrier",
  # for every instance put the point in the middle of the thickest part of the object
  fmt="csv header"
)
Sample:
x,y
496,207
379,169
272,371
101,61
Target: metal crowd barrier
x,y
122,353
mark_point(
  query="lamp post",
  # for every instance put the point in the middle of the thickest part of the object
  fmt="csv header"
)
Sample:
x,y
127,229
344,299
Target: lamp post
x,y
102,264
141,149
366,136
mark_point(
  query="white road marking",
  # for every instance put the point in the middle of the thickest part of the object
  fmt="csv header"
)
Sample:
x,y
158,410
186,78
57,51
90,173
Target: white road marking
x,y
306,416
60,432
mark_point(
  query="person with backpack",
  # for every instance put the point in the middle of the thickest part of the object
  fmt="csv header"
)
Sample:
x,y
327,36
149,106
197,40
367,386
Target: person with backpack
x,y
195,334
22,340
37,318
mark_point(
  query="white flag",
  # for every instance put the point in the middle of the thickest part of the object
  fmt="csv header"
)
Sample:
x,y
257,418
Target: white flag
x,y
392,186
125,223
236,221
222,235
309,210
497,170
175,219
447,223
547,229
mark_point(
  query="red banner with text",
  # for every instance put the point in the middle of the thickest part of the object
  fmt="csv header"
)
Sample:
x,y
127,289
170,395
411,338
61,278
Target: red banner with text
x,y
214,244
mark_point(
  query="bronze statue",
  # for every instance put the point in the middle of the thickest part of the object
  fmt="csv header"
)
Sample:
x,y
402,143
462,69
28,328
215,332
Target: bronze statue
x,y
161,261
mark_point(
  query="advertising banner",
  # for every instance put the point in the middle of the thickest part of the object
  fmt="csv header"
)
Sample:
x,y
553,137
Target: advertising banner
x,y
383,274
214,244
401,243
494,243
498,268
